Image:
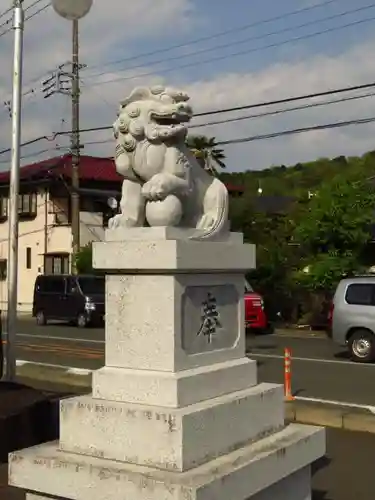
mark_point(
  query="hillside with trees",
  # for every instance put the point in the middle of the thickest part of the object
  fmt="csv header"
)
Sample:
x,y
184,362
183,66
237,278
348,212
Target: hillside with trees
x,y
322,231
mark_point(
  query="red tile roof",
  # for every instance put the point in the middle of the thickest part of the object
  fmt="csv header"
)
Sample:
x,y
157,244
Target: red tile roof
x,y
91,168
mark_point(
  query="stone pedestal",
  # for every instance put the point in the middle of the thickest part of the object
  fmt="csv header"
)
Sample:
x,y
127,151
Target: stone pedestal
x,y
176,412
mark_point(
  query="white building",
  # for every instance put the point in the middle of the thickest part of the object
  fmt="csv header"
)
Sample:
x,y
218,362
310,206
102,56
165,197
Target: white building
x,y
45,235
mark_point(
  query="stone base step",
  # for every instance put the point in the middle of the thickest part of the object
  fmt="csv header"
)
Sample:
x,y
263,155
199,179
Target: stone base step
x,y
274,467
170,438
173,389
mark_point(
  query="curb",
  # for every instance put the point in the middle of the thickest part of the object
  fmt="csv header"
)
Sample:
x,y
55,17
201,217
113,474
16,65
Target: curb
x,y
343,416
322,413
54,374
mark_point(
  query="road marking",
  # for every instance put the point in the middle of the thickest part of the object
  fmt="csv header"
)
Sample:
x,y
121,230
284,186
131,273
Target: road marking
x,y
310,360
53,337
60,351
21,362
336,403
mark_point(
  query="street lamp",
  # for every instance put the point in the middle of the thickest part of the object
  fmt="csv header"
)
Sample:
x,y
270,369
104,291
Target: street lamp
x,y
10,355
73,10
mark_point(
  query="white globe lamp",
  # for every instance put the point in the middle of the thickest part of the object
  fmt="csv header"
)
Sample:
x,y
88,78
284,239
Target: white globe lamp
x,y
72,10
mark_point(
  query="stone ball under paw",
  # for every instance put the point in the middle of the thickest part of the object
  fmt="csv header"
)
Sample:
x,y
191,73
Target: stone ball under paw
x,y
167,212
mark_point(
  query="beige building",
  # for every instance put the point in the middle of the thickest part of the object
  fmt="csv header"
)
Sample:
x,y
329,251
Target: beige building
x,y
45,235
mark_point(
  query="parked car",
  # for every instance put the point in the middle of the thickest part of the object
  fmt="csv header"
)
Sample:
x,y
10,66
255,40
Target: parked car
x,y
352,317
255,316
75,299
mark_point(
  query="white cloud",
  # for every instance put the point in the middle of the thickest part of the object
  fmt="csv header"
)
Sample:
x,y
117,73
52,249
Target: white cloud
x,y
353,67
107,33
114,22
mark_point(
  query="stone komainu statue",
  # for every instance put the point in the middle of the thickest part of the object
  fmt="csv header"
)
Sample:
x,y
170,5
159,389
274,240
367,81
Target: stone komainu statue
x,y
163,182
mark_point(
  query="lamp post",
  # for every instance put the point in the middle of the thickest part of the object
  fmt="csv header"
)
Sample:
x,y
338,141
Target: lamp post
x,y
73,10
18,26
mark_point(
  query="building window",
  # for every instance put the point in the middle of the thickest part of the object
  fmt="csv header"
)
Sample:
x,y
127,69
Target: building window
x,y
28,258
3,208
27,205
3,269
56,263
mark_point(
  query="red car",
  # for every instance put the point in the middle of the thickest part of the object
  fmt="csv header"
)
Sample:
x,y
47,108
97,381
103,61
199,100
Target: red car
x,y
255,317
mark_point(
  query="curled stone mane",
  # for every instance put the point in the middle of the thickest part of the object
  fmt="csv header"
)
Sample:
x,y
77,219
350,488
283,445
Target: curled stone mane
x,y
134,121
152,156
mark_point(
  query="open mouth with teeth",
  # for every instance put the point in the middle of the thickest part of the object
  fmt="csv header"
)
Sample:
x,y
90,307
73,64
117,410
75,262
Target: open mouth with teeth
x,y
170,120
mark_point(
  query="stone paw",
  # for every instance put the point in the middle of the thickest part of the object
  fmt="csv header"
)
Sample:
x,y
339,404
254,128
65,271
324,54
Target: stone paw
x,y
120,221
114,222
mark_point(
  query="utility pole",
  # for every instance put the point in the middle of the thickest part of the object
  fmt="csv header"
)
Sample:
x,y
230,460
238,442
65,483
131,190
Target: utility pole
x,y
67,83
10,355
75,144
73,11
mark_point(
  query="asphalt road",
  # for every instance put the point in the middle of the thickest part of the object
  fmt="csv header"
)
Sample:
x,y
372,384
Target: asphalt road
x,y
319,369
346,473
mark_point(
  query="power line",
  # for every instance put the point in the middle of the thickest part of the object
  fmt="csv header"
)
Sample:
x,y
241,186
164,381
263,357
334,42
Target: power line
x,y
213,112
38,153
5,23
272,135
10,11
274,102
236,54
37,12
333,125
240,42
220,34
31,91
33,4
358,121
55,135
260,115
288,99
7,11
282,111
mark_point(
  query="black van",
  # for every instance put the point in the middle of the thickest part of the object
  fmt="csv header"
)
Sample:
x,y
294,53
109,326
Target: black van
x,y
75,299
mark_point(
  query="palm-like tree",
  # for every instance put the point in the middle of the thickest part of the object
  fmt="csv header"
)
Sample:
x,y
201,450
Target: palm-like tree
x,y
206,151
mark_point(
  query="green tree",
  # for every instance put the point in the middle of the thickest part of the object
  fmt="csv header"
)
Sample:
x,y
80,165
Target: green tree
x,y
84,261
274,256
207,152
334,231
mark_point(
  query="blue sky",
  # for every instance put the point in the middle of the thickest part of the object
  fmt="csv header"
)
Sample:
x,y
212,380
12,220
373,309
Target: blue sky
x,y
117,30
209,18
